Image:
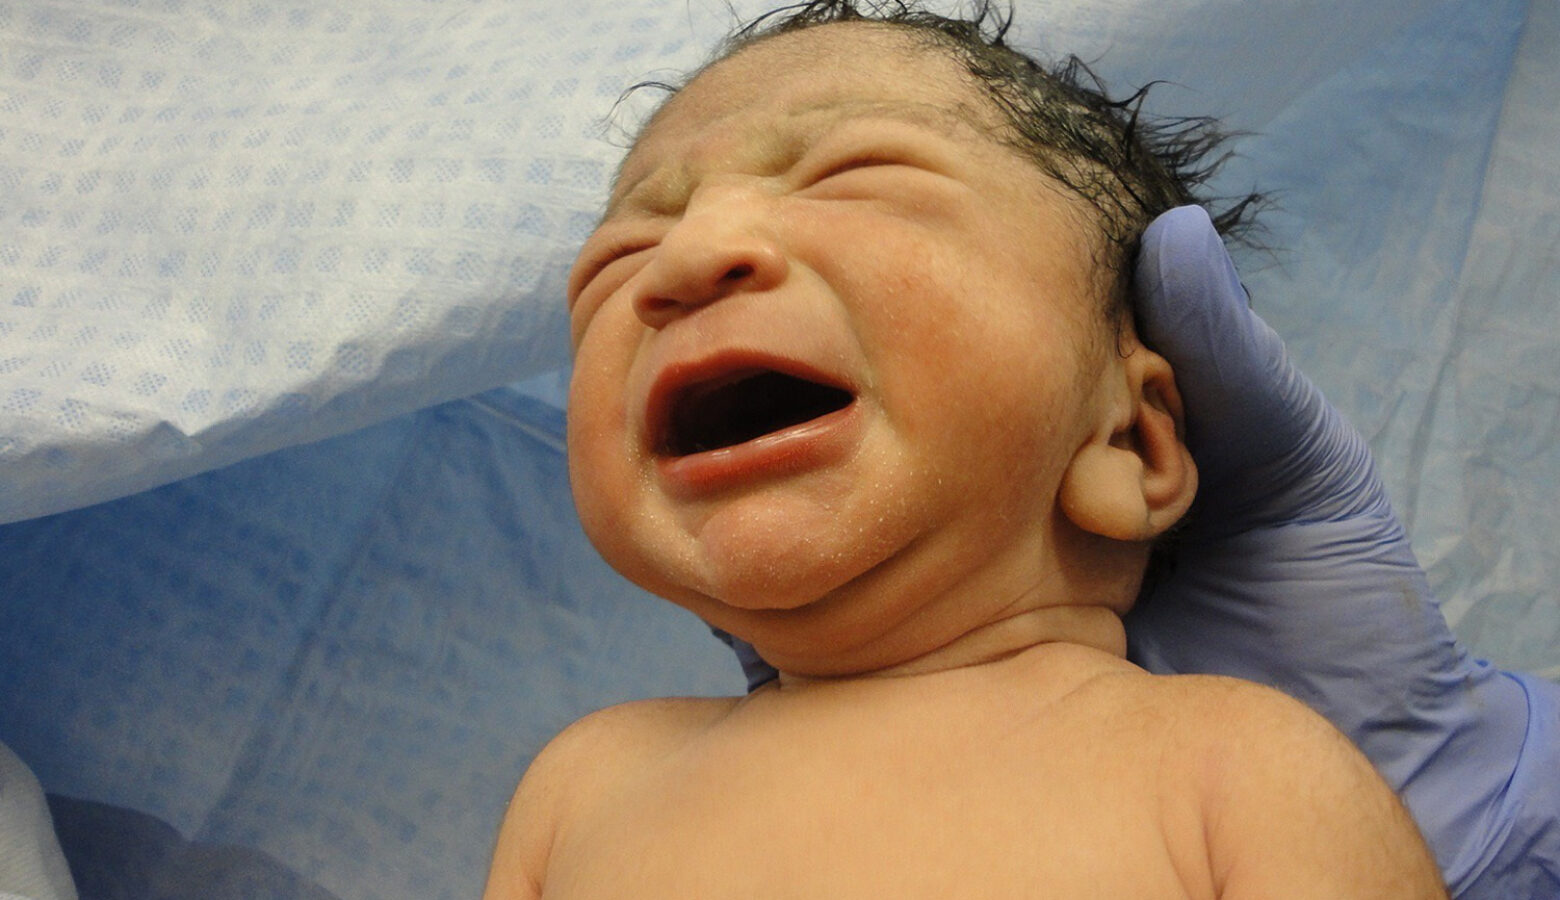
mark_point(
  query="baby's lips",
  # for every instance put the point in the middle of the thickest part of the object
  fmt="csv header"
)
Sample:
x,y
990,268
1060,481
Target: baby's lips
x,y
679,381
793,450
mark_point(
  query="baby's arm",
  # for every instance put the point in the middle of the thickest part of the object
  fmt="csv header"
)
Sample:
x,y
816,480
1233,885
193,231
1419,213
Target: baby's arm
x,y
1294,810
526,836
569,775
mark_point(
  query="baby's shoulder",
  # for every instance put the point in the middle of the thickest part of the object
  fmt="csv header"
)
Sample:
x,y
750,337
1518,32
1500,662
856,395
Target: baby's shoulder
x,y
1212,707
599,751
1226,721
1232,715
623,736
1215,739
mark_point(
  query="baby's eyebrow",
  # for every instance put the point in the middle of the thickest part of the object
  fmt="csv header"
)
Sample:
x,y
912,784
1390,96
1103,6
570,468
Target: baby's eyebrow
x,y
658,192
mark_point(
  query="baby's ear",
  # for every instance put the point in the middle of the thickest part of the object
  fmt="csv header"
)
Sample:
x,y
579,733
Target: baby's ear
x,y
1134,478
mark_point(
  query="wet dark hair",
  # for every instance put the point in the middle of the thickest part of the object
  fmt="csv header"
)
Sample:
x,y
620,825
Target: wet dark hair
x,y
1128,165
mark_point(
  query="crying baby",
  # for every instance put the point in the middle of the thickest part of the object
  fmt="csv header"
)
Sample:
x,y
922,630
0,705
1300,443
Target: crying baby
x,y
856,381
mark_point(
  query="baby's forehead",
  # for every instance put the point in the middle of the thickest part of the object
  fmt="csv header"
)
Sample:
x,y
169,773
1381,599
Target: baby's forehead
x,y
775,97
768,140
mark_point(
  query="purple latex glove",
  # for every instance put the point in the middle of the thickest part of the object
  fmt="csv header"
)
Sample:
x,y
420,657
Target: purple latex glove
x,y
1294,571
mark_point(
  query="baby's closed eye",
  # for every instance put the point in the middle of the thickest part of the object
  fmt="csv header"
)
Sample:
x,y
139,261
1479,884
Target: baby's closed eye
x,y
603,265
857,178
872,169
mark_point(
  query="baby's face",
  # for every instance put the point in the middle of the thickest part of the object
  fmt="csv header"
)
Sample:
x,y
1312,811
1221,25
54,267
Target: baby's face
x,y
835,347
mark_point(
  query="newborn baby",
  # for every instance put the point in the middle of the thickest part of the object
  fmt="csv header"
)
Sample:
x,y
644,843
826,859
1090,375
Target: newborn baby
x,y
855,381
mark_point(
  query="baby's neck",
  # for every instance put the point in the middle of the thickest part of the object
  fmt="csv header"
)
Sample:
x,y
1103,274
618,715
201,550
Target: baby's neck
x,y
1094,627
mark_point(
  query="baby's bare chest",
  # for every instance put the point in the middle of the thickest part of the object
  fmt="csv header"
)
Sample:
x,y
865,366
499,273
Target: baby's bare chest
x,y
927,800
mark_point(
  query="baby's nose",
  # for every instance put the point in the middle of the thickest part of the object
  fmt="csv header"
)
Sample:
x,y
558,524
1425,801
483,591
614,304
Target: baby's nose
x,y
704,260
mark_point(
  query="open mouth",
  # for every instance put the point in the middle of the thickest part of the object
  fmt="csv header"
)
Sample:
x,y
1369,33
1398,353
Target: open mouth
x,y
740,407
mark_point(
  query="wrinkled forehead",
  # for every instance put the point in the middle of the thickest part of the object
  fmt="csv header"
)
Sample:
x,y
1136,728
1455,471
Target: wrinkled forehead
x,y
772,96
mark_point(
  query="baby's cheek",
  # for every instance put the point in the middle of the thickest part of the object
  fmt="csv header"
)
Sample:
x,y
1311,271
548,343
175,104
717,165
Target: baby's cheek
x,y
596,438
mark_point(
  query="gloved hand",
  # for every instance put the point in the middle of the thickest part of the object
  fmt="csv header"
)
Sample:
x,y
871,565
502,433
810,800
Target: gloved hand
x,y
1293,570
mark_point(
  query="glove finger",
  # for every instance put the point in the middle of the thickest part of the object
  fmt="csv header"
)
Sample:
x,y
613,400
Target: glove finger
x,y
1244,405
1266,442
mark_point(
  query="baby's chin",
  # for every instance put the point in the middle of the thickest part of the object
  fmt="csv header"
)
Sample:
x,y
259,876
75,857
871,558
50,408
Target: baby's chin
x,y
809,578
779,589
